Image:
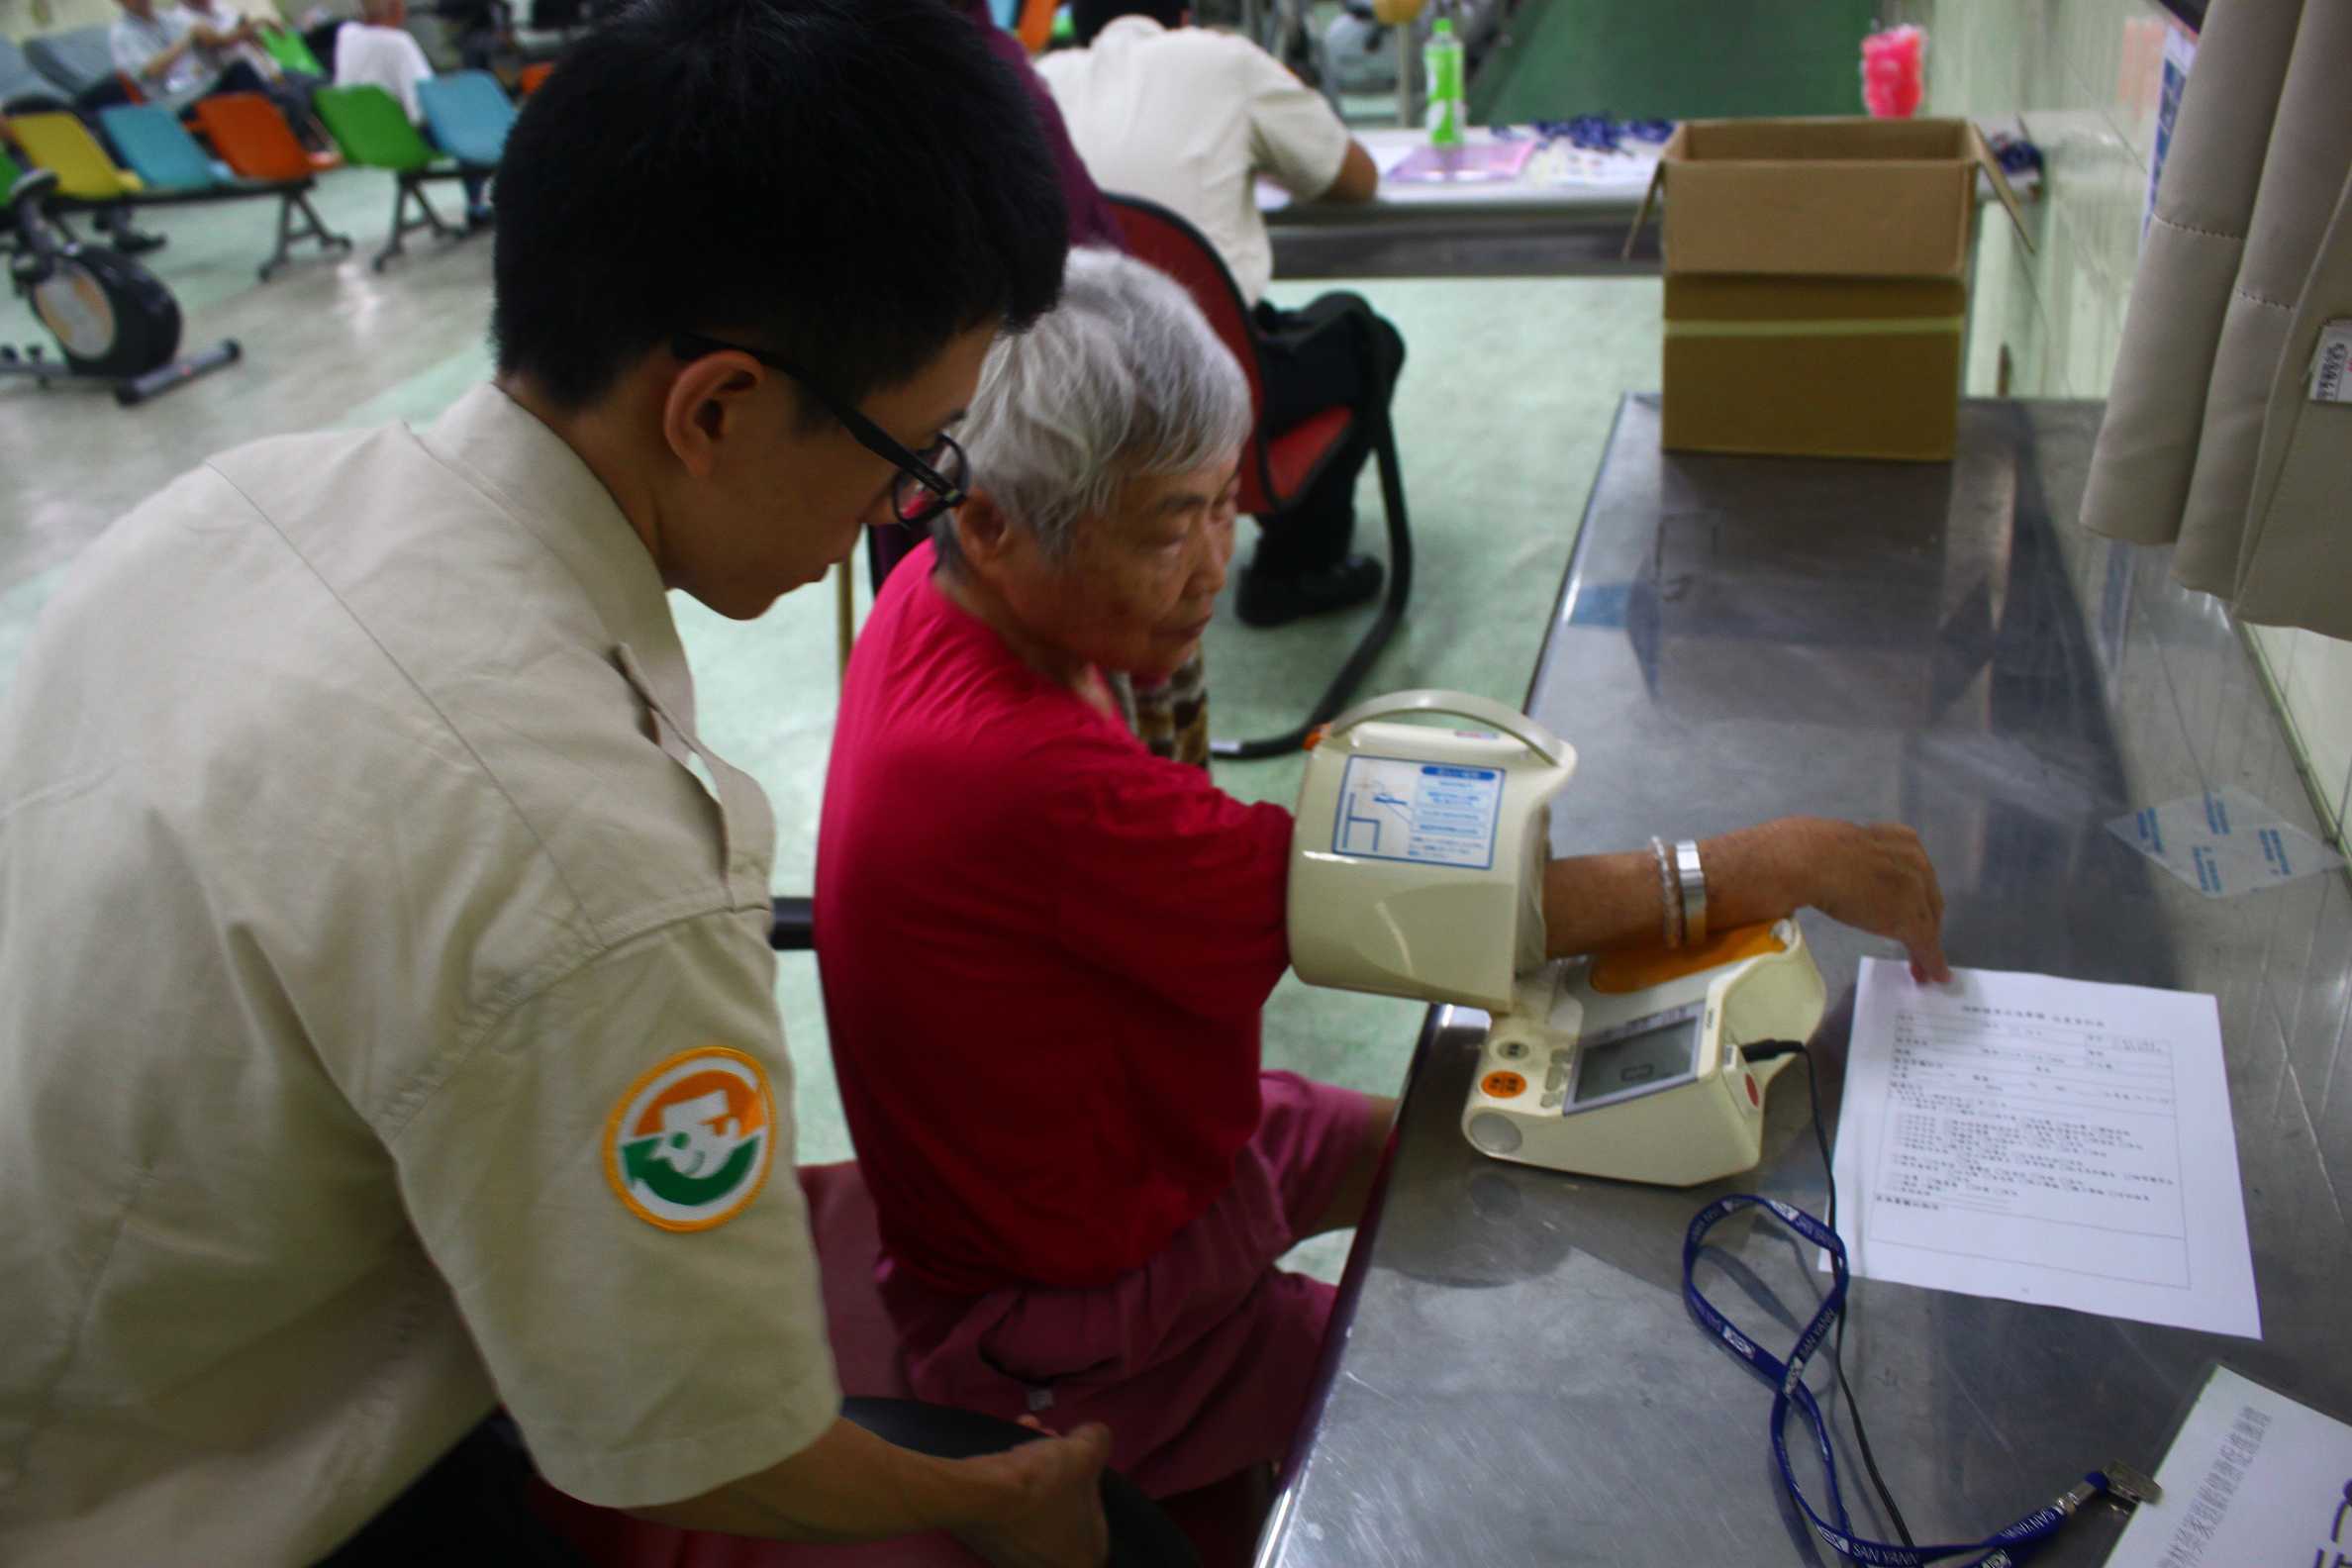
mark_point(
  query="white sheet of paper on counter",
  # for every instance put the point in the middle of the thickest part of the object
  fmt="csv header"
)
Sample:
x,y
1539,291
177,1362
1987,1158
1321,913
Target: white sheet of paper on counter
x,y
2253,1477
2056,1141
2223,843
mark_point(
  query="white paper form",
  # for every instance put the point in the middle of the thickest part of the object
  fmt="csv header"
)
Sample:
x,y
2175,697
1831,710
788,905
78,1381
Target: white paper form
x,y
2055,1141
2253,1477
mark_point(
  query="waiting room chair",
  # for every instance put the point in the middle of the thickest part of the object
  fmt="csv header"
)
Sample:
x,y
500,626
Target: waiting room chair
x,y
469,115
63,144
534,76
171,166
158,148
1277,466
23,91
1035,24
253,137
89,181
287,48
847,1236
74,61
373,130
53,207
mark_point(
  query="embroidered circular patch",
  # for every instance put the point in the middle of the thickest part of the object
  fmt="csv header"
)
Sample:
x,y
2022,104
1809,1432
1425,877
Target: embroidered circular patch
x,y
688,1147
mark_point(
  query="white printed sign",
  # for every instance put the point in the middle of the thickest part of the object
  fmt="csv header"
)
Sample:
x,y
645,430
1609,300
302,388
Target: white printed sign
x,y
2253,1477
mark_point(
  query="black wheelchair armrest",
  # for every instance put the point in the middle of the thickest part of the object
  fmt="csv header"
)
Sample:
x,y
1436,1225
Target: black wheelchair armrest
x,y
794,927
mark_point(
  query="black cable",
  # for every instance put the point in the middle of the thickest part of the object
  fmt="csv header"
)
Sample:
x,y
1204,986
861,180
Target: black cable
x,y
1813,1093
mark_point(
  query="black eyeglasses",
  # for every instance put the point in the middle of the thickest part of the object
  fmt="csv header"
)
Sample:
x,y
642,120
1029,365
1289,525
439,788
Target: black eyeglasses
x,y
928,482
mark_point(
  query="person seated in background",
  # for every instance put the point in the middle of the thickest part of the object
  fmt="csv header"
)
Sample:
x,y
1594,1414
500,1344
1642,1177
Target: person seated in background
x,y
1189,118
176,56
290,91
480,28
1044,953
378,50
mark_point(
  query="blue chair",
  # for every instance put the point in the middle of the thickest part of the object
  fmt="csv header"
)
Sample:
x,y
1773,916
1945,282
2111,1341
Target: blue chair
x,y
19,81
76,61
157,147
174,167
469,116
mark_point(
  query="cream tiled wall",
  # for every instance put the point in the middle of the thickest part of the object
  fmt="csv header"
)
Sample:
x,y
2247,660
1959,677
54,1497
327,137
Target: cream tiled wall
x,y
2084,78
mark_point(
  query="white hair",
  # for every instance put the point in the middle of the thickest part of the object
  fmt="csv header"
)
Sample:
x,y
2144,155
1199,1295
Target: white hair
x,y
1123,377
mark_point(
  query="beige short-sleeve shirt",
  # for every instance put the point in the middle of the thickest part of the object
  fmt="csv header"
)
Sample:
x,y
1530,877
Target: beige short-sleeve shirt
x,y
386,1016
1189,118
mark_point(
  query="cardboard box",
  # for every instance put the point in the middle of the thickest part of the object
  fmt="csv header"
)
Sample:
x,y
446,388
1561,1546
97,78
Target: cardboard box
x,y
1817,284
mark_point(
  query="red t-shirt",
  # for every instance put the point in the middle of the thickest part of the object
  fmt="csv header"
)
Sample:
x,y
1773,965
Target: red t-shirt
x,y
1044,951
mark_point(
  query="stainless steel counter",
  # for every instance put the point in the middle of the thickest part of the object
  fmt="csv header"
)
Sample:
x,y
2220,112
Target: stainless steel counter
x,y
1512,1377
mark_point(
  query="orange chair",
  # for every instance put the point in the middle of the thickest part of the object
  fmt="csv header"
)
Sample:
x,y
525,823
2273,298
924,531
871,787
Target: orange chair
x,y
251,136
1035,24
1277,466
534,76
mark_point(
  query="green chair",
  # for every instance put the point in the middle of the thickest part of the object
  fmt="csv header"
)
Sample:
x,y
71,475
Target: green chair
x,y
368,122
291,53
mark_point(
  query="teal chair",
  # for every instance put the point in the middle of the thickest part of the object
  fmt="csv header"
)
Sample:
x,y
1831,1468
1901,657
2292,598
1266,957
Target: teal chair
x,y
469,116
158,148
171,165
373,130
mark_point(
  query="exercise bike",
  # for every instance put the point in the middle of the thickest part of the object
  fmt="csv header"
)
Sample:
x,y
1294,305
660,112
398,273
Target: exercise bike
x,y
117,326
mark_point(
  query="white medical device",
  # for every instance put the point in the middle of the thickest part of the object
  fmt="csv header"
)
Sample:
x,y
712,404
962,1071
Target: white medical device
x,y
1418,860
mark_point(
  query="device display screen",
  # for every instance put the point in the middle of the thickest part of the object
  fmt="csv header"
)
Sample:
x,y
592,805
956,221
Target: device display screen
x,y
1639,1063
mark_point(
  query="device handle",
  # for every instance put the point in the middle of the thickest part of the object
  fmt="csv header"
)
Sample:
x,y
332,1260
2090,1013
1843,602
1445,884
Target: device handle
x,y
1462,705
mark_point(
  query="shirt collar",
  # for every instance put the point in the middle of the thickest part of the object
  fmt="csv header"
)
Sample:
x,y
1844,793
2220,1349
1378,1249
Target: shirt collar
x,y
536,478
1130,26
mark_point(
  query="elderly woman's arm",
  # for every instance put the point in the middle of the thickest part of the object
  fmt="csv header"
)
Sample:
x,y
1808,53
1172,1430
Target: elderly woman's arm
x,y
1875,879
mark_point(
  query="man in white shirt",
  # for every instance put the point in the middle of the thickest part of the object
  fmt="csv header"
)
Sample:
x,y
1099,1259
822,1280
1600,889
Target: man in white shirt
x,y
1189,118
177,58
387,1028
378,50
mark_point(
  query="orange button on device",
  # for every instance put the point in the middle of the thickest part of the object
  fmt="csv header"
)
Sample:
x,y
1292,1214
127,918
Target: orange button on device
x,y
1504,1085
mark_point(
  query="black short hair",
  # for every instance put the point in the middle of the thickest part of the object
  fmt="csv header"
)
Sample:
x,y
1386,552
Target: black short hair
x,y
1089,16
847,183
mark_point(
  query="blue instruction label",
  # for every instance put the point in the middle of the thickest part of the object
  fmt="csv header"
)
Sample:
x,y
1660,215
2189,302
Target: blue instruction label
x,y
1424,813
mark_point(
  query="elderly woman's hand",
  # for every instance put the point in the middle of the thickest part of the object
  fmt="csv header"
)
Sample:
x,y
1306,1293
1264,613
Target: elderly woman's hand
x,y
1876,877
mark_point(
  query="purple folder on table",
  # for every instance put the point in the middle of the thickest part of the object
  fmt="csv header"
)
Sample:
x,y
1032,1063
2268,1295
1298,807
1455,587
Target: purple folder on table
x,y
1481,163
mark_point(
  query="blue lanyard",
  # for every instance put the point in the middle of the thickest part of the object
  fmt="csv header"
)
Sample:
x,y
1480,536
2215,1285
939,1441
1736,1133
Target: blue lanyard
x,y
1998,1550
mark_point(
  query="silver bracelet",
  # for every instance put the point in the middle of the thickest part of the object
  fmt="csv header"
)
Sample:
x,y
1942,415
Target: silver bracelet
x,y
1669,899
1693,878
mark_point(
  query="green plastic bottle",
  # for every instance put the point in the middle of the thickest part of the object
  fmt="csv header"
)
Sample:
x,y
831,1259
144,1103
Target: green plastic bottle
x,y
1441,61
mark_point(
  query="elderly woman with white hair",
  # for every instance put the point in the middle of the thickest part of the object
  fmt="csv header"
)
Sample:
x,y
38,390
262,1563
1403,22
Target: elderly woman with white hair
x,y
1044,951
